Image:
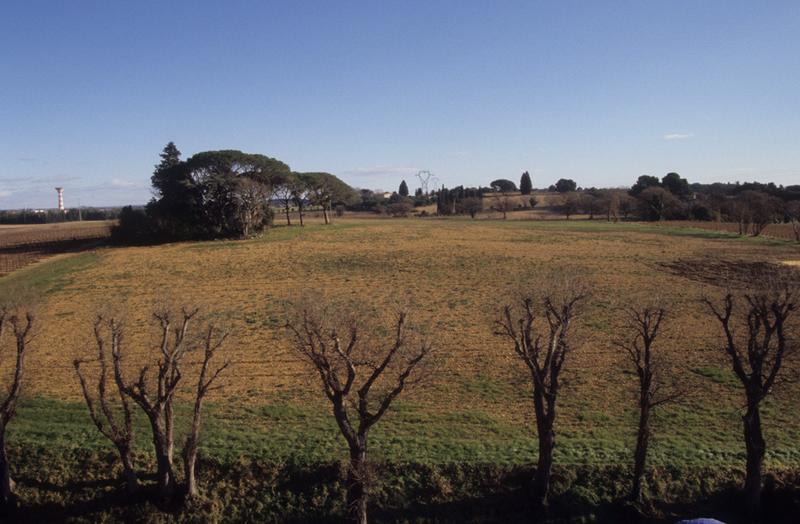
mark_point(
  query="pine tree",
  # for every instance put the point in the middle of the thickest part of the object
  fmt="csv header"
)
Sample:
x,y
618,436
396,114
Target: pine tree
x,y
403,189
170,156
525,184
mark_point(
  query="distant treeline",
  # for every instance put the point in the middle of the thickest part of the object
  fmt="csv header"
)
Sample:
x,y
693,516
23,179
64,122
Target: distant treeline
x,y
49,216
229,194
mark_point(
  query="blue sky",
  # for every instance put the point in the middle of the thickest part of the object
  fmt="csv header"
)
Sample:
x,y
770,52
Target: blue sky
x,y
600,92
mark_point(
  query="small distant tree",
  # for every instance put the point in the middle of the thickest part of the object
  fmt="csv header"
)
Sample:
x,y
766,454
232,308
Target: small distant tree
x,y
627,204
756,340
360,375
570,204
400,209
589,204
325,189
101,405
565,185
21,330
504,186
540,330
756,208
503,204
533,201
285,192
403,189
471,205
642,327
656,203
525,184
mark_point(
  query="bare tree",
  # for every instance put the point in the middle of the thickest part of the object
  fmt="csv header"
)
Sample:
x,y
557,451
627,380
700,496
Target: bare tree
x,y
643,326
360,379
157,401
22,334
503,204
100,406
570,203
756,355
212,341
540,331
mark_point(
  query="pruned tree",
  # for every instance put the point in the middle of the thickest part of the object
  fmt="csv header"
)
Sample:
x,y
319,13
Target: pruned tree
x,y
213,340
756,341
540,330
21,330
360,376
641,329
157,401
155,392
99,401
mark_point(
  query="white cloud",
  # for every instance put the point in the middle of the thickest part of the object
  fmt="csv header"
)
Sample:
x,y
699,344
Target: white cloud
x,y
378,171
118,182
677,136
4,193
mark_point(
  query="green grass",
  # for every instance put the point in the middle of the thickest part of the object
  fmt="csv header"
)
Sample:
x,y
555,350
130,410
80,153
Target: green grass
x,y
278,432
50,276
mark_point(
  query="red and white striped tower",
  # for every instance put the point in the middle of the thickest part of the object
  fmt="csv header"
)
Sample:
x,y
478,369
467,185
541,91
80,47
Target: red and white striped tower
x,y
60,198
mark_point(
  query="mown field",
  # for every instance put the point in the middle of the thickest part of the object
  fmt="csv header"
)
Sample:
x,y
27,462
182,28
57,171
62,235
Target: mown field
x,y
453,274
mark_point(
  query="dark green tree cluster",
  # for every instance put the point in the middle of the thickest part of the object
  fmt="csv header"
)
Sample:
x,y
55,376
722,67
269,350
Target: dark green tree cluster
x,y
225,194
503,185
448,201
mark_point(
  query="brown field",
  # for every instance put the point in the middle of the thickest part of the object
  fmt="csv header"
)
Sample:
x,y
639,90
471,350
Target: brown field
x,y
453,273
21,245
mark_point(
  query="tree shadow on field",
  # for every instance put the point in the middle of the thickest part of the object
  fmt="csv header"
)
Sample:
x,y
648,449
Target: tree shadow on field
x,y
730,273
83,499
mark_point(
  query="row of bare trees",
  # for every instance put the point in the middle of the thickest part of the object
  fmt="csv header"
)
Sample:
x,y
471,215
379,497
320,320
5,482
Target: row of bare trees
x,y
362,371
755,339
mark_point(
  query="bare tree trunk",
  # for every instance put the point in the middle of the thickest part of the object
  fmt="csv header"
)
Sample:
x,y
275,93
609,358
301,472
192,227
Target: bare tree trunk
x,y
756,447
6,484
640,455
544,465
165,475
190,458
300,212
128,472
325,214
288,220
356,486
547,442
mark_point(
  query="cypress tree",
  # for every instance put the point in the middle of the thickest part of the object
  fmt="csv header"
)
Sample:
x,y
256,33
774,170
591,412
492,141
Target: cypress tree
x,y
403,189
525,184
